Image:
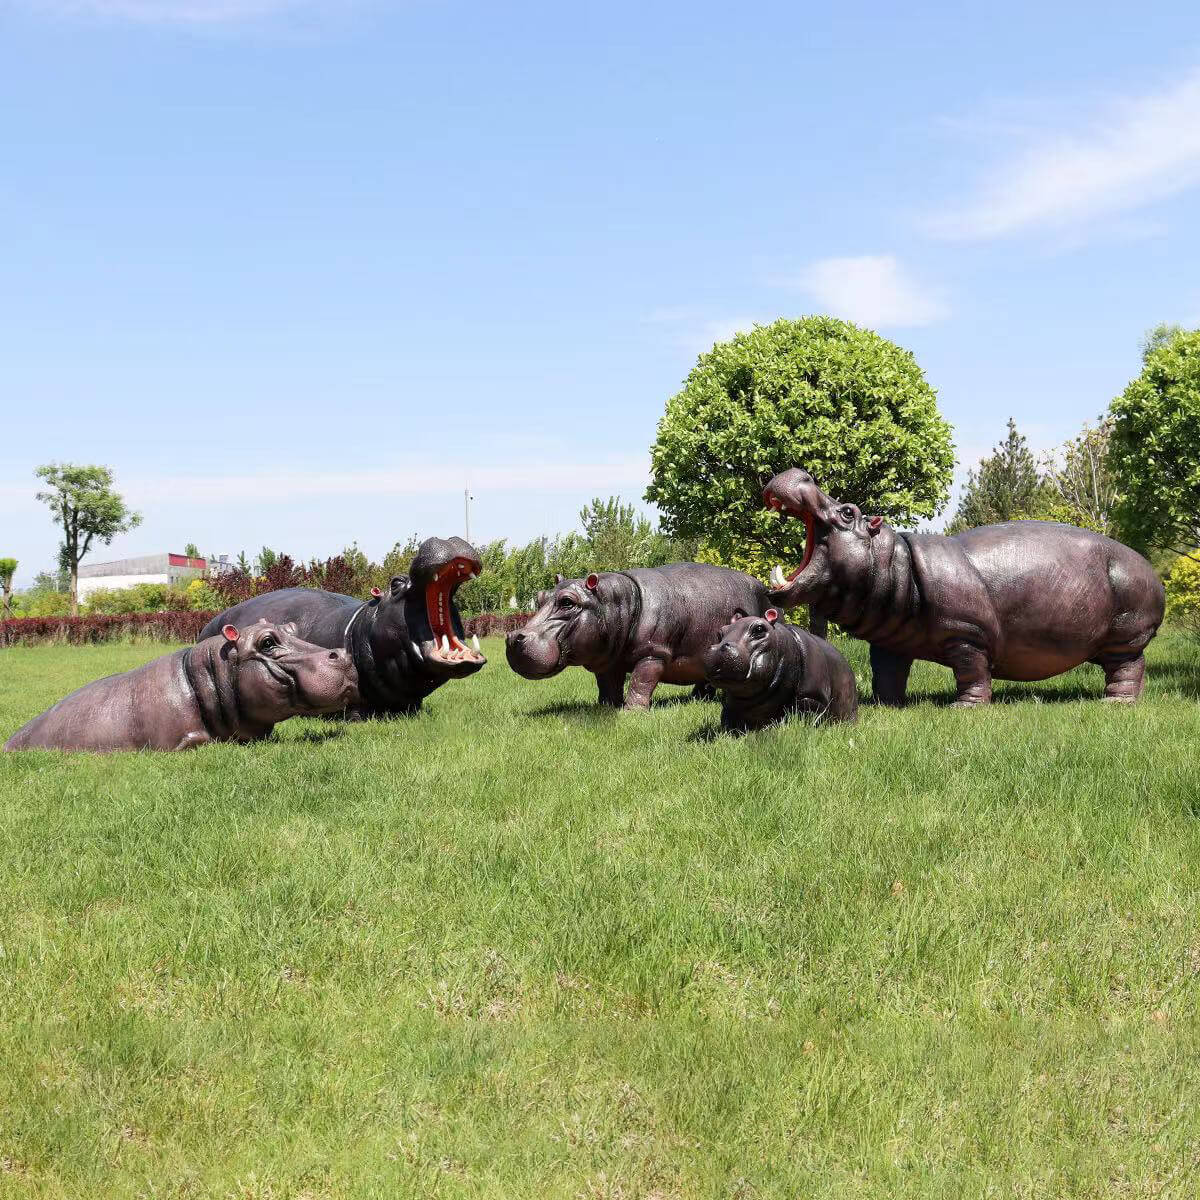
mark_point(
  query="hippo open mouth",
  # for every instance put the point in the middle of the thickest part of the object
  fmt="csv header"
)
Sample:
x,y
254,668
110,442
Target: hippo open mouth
x,y
440,567
447,647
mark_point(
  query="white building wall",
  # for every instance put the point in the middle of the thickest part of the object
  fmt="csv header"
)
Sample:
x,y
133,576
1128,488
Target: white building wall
x,y
93,583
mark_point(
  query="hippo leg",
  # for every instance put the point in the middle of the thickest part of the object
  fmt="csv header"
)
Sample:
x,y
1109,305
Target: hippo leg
x,y
1124,677
972,674
704,691
889,675
645,678
612,687
192,741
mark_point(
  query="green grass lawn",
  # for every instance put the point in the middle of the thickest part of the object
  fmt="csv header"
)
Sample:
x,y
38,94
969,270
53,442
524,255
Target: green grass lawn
x,y
520,947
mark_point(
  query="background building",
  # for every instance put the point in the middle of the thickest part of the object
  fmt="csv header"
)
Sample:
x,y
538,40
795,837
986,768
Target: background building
x,y
175,570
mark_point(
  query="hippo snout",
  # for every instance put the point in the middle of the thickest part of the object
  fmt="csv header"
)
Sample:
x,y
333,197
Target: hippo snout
x,y
532,655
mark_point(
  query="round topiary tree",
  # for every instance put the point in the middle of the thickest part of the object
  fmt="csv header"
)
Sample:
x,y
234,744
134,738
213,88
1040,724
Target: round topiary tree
x,y
1154,450
846,404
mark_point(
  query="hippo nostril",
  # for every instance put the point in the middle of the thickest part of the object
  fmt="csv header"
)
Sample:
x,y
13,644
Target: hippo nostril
x,y
518,638
334,655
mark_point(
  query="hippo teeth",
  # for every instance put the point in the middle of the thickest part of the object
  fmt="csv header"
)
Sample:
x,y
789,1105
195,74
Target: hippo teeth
x,y
475,643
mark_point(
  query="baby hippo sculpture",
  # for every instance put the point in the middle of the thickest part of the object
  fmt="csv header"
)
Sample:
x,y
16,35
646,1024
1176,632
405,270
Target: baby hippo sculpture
x,y
404,642
655,622
767,670
234,687
1022,600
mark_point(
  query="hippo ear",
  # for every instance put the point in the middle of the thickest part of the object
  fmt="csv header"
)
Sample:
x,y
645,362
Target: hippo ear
x,y
375,593
230,632
874,525
738,614
772,615
592,582
558,580
399,586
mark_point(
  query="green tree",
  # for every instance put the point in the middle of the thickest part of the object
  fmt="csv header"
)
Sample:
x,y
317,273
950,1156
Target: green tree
x,y
1080,481
84,503
266,559
192,550
8,568
1163,334
1155,448
1006,486
843,402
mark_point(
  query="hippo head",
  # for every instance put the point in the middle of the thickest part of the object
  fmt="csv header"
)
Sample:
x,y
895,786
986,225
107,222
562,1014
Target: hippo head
x,y
416,619
745,659
837,542
276,675
568,629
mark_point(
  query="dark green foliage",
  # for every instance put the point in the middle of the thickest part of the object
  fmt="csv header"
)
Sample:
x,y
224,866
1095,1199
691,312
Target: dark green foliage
x,y
1006,486
843,402
1155,447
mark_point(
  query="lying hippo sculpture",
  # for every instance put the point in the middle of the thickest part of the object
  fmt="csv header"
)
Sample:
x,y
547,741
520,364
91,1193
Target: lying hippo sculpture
x,y
767,670
1022,600
656,622
404,644
234,687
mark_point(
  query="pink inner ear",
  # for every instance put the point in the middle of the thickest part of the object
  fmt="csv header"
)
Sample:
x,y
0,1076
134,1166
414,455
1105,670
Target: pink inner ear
x,y
592,582
875,522
772,614
230,632
376,593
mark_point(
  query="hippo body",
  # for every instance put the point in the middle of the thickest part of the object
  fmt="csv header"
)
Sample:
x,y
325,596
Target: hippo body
x,y
235,686
655,623
404,644
1022,600
767,671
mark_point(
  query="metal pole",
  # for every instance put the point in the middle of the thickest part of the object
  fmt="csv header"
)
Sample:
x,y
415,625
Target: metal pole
x,y
467,511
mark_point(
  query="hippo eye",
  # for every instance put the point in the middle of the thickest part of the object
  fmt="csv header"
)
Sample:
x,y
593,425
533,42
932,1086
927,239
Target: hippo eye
x,y
267,645
848,512
565,602
759,631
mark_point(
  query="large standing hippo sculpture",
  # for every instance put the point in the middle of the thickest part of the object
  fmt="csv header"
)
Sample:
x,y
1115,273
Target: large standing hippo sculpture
x,y
1022,600
767,670
656,622
404,643
234,687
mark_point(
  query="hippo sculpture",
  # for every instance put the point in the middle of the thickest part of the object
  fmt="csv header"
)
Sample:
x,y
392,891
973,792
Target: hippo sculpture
x,y
404,643
234,687
767,670
656,622
1022,600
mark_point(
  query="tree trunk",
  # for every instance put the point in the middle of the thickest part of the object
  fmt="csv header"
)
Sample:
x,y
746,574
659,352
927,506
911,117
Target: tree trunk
x,y
817,625
74,589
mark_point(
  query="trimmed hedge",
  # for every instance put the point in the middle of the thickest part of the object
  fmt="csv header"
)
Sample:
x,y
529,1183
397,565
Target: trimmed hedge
x,y
172,627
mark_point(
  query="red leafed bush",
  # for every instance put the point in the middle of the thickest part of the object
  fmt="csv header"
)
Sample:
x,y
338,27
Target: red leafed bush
x,y
174,627
495,624
82,631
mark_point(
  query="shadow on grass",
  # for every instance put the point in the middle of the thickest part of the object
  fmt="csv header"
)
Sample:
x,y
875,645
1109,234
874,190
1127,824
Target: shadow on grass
x,y
315,737
574,708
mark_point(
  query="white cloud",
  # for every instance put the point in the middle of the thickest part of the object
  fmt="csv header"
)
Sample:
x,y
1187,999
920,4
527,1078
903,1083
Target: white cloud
x,y
697,334
284,486
871,289
180,12
1140,150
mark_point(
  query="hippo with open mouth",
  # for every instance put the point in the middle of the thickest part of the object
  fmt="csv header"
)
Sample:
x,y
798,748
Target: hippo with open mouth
x,y
656,622
1022,600
232,687
404,643
767,670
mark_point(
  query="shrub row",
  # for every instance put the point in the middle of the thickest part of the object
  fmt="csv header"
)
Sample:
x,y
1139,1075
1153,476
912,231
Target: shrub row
x,y
172,627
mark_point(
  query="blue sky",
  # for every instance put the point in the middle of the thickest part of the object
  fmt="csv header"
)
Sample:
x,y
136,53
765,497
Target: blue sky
x,y
297,271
